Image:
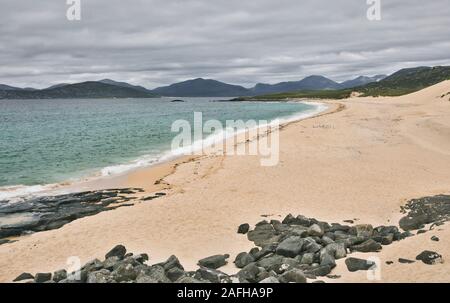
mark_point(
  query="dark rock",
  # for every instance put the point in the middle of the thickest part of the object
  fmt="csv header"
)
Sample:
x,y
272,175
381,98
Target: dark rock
x,y
327,260
293,276
434,238
291,247
111,263
248,273
188,280
153,273
42,277
368,246
421,232
211,275
243,229
214,262
320,271
175,274
263,234
405,261
316,230
118,251
307,259
172,262
334,277
59,275
424,211
141,258
101,276
124,272
430,257
337,250
355,264
299,220
265,251
271,263
24,276
389,262
243,259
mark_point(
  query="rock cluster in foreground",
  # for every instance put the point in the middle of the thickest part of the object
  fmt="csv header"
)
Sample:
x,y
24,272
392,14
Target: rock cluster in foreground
x,y
289,251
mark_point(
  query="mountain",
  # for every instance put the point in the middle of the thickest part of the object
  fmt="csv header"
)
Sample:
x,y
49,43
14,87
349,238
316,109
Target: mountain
x,y
407,80
7,87
308,83
201,88
124,84
90,89
361,80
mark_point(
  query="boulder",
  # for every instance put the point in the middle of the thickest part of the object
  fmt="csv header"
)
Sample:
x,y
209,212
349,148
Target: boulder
x,y
175,274
154,272
362,230
367,246
327,259
124,272
249,273
337,250
101,276
319,271
355,264
291,247
409,223
293,276
243,228
111,263
214,262
307,259
24,276
59,275
430,257
271,263
172,262
316,230
211,275
42,277
243,259
118,251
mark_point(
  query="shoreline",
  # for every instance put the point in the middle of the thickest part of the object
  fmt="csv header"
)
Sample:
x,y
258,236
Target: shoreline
x,y
361,159
162,167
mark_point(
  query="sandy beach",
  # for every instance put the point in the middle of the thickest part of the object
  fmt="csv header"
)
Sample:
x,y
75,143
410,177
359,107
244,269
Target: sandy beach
x,y
361,160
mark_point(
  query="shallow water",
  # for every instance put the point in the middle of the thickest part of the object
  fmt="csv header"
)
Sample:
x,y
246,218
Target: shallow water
x,y
50,141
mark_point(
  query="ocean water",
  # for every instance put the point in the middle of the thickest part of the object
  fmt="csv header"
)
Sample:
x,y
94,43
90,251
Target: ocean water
x,y
51,141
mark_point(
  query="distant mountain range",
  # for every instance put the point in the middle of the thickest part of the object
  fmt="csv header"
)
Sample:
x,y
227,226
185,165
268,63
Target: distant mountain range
x,y
84,90
403,80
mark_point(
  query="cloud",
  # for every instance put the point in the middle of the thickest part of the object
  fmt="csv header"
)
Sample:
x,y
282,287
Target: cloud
x,y
157,42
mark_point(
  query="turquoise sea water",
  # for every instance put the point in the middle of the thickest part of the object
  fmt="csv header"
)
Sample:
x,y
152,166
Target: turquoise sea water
x,y
50,141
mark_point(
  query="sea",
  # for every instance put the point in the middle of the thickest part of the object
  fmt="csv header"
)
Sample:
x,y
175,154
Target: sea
x,y
47,142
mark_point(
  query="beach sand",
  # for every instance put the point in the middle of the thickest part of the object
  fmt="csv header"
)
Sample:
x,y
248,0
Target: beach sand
x,y
359,162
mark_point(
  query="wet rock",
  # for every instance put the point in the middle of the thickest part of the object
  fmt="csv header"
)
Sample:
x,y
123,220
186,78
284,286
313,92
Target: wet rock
x,y
368,246
243,259
430,257
42,277
24,276
243,229
293,276
355,264
118,251
214,262
291,247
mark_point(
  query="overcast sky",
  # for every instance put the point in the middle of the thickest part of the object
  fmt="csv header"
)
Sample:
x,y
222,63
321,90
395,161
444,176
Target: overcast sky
x,y
158,42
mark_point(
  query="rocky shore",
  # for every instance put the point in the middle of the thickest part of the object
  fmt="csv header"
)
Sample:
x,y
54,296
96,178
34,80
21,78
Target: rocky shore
x,y
295,250
52,212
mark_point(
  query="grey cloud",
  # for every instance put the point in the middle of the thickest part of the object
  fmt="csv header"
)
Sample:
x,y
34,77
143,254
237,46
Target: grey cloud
x,y
157,42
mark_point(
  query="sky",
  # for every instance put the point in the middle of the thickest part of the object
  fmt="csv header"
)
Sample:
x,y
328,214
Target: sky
x,y
159,42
